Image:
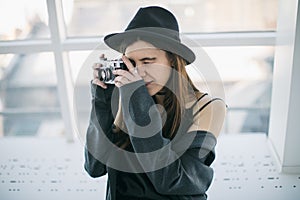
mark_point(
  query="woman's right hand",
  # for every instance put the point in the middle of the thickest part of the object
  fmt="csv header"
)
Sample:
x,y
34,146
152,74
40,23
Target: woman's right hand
x,y
96,68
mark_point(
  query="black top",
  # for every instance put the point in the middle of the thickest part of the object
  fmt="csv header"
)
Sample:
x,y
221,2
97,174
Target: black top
x,y
179,171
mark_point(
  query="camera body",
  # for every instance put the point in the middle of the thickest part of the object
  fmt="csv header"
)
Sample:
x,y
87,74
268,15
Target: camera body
x,y
107,66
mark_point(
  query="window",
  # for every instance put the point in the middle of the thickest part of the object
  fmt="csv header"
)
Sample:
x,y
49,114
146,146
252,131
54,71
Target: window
x,y
96,18
246,72
44,59
23,20
29,103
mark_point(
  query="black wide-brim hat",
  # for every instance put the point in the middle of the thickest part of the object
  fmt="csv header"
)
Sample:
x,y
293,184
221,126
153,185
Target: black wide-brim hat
x,y
156,26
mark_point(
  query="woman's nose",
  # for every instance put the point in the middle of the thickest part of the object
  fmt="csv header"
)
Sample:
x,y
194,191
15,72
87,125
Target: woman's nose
x,y
141,71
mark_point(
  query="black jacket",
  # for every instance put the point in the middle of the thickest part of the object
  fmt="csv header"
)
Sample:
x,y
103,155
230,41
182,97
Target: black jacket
x,y
181,170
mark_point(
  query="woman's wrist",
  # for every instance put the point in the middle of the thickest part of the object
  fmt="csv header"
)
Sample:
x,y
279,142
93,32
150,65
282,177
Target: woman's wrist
x,y
101,94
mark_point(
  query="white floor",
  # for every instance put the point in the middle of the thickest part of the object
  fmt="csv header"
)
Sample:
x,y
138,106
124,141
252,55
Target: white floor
x,y
40,168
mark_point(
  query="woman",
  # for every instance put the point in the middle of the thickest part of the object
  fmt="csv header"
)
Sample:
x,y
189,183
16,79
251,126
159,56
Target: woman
x,y
165,130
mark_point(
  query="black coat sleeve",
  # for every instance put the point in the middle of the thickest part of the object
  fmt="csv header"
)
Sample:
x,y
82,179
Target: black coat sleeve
x,y
181,167
99,133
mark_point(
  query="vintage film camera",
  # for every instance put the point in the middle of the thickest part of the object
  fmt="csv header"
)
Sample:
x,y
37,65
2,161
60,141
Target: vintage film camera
x,y
106,68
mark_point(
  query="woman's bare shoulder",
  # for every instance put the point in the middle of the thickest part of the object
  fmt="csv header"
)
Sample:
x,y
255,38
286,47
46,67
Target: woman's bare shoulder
x,y
209,115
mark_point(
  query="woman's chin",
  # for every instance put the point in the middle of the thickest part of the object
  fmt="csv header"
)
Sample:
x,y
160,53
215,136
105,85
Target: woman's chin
x,y
153,89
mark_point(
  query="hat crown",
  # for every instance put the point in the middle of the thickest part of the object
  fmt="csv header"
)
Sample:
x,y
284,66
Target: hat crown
x,y
155,25
153,16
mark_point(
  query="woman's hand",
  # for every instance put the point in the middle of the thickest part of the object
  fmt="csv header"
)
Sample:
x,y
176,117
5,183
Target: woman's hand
x,y
96,68
124,77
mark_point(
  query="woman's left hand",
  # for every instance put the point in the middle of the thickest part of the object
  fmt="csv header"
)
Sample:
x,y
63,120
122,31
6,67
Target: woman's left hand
x,y
124,77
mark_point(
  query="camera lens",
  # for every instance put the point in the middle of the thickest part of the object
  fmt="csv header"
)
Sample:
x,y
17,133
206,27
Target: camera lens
x,y
105,75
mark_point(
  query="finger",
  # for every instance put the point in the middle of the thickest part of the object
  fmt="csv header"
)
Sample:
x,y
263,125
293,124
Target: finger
x,y
121,72
99,83
118,84
96,74
97,65
128,63
121,79
102,56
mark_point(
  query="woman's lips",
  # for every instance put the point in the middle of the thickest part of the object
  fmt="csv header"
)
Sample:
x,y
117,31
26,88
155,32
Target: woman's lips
x,y
148,83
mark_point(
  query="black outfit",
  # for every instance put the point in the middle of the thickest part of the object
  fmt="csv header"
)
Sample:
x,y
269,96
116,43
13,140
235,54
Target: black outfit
x,y
187,177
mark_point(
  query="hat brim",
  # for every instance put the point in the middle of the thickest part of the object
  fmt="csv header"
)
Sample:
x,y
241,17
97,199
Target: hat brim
x,y
156,37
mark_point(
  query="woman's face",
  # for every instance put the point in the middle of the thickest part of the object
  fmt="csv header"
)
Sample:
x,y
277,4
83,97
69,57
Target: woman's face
x,y
152,64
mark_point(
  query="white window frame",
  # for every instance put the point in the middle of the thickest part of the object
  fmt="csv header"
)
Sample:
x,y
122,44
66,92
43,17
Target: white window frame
x,y
59,44
284,128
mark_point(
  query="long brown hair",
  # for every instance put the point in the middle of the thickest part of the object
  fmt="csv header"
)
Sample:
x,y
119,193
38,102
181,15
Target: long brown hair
x,y
176,92
180,87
